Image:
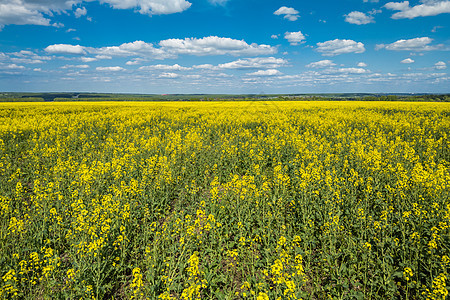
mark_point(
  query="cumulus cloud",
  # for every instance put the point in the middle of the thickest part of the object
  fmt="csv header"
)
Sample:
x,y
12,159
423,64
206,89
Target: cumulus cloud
x,y
175,67
206,67
136,61
321,64
39,12
358,18
397,5
270,72
88,59
139,48
103,57
255,63
168,75
337,47
16,12
65,49
27,57
246,63
440,65
151,7
407,61
26,60
429,8
75,66
110,69
289,13
80,11
416,44
362,65
294,38
350,71
343,71
214,45
6,66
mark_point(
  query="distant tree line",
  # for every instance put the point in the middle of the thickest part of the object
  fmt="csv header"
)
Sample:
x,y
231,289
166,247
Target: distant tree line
x,y
210,98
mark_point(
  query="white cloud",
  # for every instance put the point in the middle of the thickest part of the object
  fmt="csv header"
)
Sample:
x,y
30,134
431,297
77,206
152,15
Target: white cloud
x,y
352,71
270,72
358,18
362,65
27,57
38,12
37,69
407,61
6,66
430,8
440,65
397,5
168,75
136,61
342,71
151,7
416,44
79,12
321,64
26,60
175,67
255,63
285,11
65,49
205,67
88,59
294,38
214,45
246,63
337,46
193,76
75,66
103,57
139,48
292,17
111,69
15,12
169,48
274,36
289,13
23,53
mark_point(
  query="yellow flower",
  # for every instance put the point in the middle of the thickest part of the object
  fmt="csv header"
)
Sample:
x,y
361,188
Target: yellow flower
x,y
407,273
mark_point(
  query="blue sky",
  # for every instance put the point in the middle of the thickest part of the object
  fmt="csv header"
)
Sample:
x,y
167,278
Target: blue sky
x,y
225,46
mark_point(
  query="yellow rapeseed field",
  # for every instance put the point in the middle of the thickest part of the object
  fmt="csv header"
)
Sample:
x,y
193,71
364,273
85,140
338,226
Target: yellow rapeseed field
x,y
225,200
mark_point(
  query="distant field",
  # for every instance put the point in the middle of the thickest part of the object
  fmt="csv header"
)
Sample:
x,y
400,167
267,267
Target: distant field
x,y
63,97
225,200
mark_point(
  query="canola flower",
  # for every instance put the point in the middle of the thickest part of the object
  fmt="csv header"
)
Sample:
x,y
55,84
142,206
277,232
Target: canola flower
x,y
236,200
